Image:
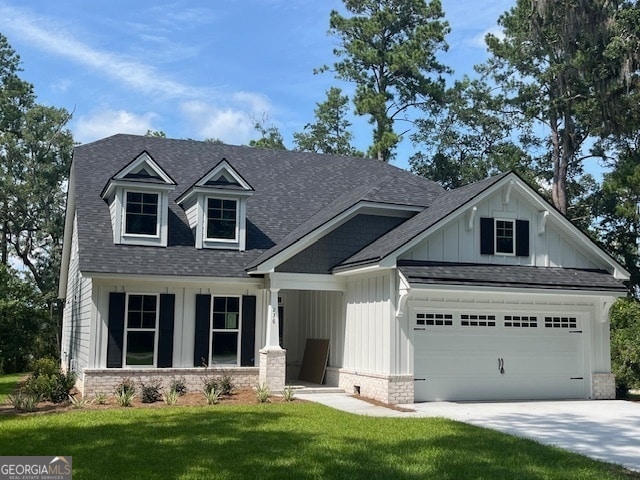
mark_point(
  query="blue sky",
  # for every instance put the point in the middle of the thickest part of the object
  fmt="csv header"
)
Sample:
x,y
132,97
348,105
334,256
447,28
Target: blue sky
x,y
197,69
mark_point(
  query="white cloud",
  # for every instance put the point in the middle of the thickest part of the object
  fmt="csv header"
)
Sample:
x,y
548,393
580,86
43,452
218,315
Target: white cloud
x,y
478,40
45,35
103,123
227,124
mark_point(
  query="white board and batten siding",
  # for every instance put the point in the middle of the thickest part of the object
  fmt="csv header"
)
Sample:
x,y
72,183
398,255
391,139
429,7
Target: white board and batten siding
x,y
456,242
76,334
185,301
370,323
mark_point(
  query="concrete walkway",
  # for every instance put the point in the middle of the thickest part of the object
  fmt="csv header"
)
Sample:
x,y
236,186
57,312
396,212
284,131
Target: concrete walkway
x,y
607,430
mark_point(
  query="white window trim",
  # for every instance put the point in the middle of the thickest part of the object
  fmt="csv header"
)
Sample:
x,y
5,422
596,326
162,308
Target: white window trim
x,y
124,214
126,331
226,330
236,238
495,237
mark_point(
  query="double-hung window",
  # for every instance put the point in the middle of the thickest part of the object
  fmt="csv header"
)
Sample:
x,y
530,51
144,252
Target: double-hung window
x,y
222,219
225,330
141,330
505,237
500,236
141,213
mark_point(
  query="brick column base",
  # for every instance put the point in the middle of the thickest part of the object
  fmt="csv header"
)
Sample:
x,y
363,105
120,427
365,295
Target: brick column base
x,y
273,367
604,386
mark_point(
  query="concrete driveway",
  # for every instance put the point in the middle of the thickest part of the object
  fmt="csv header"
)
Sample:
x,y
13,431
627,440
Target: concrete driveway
x,y
607,430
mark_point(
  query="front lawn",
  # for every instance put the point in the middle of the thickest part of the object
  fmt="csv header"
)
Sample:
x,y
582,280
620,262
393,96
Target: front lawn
x,y
281,441
8,384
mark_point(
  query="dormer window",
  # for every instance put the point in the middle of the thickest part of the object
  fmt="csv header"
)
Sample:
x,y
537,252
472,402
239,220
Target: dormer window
x,y
141,213
222,219
138,197
216,207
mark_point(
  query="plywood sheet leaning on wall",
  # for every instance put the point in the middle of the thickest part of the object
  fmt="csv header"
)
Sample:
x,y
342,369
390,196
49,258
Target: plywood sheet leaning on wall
x,y
314,360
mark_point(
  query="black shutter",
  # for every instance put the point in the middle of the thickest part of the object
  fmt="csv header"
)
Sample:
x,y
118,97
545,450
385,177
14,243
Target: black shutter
x,y
165,330
115,326
203,329
522,238
248,340
487,236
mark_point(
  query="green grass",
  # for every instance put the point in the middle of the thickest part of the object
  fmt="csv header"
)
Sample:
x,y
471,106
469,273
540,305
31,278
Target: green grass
x,y
283,441
8,383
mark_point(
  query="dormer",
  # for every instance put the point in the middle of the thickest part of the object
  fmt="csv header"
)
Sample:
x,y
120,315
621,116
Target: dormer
x,y
216,208
138,199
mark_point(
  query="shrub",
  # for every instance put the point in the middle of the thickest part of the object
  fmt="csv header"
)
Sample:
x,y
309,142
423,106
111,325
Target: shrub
x,y
625,344
46,367
212,396
170,397
24,401
126,385
262,393
100,398
52,386
151,392
210,384
124,397
79,402
179,386
226,384
288,393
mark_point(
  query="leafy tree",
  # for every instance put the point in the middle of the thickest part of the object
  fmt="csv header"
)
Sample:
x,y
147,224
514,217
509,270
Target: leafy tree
x,y
552,70
23,313
388,49
270,136
471,138
35,156
155,133
625,339
617,206
330,133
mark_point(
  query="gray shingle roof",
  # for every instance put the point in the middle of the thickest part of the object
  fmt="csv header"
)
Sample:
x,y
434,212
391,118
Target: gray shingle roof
x,y
470,274
294,192
444,205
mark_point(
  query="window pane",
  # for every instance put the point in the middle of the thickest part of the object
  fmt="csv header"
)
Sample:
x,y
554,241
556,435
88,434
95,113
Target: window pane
x,y
142,311
219,320
224,348
504,236
219,304
233,304
221,218
141,213
140,348
226,313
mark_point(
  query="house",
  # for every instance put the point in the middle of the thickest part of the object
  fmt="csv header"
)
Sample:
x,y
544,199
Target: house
x,y
183,257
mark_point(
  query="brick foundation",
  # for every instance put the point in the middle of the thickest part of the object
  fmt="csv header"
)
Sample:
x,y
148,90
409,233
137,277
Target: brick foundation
x,y
273,369
390,389
104,381
603,386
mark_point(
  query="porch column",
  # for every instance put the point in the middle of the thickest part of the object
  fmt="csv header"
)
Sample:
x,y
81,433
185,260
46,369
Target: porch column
x,y
273,358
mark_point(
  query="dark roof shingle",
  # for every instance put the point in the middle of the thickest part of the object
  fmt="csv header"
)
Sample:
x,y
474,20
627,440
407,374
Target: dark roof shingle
x,y
294,192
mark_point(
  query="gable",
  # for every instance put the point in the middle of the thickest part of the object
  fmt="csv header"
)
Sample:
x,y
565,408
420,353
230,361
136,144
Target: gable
x,y
551,240
339,244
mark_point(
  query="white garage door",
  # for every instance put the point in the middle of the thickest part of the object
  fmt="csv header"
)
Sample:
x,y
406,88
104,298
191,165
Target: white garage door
x,y
497,356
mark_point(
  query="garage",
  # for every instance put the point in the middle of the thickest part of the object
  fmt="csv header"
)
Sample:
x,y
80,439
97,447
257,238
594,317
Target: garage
x,y
498,355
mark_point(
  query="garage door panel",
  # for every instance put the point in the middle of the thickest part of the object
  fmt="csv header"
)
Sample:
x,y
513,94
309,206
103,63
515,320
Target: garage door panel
x,y
457,362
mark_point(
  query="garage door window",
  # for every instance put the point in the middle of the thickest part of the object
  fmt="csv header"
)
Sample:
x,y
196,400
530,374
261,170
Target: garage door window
x,y
477,320
560,322
519,321
434,319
